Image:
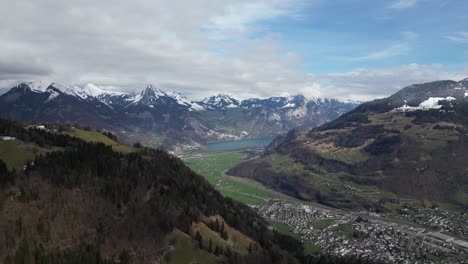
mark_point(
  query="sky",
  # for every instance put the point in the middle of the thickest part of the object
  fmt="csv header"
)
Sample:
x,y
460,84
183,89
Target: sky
x,y
346,49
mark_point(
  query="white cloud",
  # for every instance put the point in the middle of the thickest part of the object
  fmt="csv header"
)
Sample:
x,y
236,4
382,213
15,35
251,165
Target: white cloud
x,y
460,37
195,47
367,84
239,18
127,44
402,4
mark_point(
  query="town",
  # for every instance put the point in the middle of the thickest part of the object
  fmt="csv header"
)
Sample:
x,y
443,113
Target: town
x,y
342,233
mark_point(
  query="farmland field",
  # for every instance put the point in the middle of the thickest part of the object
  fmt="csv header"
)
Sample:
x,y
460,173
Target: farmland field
x,y
212,166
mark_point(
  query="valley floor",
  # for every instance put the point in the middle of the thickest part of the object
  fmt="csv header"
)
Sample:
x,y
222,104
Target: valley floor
x,y
414,235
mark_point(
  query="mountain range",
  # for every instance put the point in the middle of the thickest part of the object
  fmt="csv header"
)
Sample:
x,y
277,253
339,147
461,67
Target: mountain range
x,y
408,148
166,119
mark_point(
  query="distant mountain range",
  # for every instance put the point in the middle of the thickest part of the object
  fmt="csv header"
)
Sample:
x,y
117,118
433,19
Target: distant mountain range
x,y
408,148
168,119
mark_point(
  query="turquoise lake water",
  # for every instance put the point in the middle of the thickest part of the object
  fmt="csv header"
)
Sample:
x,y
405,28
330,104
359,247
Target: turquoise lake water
x,y
239,144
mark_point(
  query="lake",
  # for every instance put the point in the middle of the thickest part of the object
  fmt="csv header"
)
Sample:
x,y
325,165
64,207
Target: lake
x,y
239,144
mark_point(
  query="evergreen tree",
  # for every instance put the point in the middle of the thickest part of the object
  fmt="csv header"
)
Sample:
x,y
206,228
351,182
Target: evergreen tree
x,y
199,239
223,232
210,246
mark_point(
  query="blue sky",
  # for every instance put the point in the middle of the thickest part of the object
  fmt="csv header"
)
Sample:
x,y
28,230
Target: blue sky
x,y
346,49
342,35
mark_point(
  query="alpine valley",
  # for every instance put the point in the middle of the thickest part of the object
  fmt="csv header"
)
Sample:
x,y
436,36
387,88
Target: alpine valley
x,y
166,119
409,147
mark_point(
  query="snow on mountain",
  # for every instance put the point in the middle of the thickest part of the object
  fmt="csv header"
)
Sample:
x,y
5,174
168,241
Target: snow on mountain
x,y
220,101
53,94
152,96
197,107
430,103
36,86
95,91
433,102
149,96
69,90
152,91
182,100
289,105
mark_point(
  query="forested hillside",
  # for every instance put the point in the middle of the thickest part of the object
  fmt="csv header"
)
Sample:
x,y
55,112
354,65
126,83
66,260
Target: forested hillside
x,y
83,202
88,200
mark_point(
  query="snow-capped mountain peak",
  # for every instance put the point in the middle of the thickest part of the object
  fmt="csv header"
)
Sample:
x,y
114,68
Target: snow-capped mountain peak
x,y
68,89
220,101
38,86
464,83
152,91
96,91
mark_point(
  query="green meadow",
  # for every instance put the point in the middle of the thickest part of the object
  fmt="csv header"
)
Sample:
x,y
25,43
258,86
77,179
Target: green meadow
x,y
213,165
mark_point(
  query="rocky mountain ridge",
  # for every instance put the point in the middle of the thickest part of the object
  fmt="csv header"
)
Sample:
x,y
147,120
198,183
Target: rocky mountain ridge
x,y
168,119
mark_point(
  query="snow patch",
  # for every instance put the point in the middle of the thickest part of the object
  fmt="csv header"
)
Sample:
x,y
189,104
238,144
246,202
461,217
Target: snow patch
x,y
197,107
37,87
220,101
95,91
70,90
289,105
430,103
182,100
52,95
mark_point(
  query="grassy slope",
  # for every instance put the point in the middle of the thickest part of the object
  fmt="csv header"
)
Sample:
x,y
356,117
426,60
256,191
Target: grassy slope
x,y
187,251
237,241
15,153
94,136
321,223
311,249
331,183
284,229
345,230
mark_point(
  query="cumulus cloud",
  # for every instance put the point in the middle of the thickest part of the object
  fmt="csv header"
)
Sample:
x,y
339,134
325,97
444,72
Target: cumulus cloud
x,y
197,48
127,44
368,84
